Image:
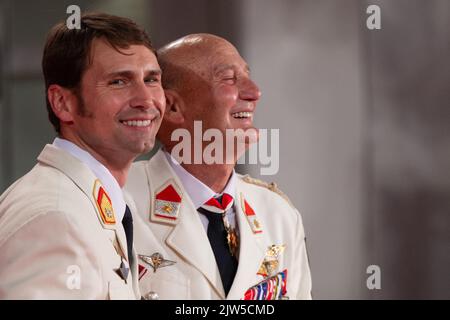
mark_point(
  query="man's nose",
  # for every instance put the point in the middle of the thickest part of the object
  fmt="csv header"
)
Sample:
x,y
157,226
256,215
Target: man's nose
x,y
249,90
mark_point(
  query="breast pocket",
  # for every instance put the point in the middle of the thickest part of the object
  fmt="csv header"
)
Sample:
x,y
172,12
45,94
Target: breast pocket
x,y
167,284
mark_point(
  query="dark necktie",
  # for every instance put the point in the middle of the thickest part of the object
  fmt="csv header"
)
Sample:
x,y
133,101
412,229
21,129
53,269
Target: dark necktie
x,y
127,223
217,235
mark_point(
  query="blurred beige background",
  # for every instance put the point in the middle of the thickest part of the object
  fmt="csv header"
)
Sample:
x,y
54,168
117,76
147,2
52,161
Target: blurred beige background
x,y
364,120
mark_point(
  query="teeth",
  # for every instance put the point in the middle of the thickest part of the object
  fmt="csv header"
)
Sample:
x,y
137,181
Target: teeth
x,y
137,123
242,114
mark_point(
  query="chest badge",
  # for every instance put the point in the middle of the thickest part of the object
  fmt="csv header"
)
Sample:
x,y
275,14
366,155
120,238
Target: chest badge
x,y
253,221
270,264
156,261
104,204
167,203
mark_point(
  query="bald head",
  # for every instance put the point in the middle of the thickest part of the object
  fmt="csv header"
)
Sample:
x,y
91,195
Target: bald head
x,y
205,79
188,55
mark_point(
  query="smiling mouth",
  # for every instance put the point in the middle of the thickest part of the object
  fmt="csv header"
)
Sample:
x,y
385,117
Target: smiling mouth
x,y
242,115
137,123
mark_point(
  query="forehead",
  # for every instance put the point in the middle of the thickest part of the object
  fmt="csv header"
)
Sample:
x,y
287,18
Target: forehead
x,y
103,56
222,57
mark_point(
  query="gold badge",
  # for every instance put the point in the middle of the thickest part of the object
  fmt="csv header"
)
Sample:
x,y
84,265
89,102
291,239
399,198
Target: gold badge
x,y
167,208
233,241
270,264
104,204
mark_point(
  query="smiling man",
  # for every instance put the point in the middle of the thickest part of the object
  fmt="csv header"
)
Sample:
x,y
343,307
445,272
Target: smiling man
x,y
202,230
65,229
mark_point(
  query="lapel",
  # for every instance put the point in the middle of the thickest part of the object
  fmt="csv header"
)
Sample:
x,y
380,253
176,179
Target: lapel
x,y
135,274
187,238
83,177
122,239
251,252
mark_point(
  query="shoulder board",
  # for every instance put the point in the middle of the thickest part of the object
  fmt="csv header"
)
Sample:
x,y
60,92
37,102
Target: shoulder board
x,y
272,186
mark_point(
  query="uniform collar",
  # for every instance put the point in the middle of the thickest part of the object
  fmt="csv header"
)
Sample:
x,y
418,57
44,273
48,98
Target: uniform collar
x,y
100,171
197,190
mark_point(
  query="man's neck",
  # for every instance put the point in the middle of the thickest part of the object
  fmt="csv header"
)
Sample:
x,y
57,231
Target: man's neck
x,y
215,176
118,166
119,173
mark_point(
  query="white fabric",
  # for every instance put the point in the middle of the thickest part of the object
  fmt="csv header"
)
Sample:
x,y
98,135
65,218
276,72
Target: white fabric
x,y
108,181
195,274
52,235
201,193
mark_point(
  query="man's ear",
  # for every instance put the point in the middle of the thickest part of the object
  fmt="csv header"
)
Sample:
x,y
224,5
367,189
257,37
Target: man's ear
x,y
175,107
63,102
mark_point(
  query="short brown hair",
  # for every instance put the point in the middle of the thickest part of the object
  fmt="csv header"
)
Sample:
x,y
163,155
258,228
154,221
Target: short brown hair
x,y
67,51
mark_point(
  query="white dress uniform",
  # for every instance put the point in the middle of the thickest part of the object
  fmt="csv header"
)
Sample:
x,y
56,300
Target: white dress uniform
x,y
60,234
169,227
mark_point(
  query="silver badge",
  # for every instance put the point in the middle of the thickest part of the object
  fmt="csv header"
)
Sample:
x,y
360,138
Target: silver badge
x,y
123,271
156,261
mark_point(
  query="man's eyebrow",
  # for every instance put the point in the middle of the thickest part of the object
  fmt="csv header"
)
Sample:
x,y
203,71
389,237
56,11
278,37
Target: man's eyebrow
x,y
121,73
130,74
223,67
153,72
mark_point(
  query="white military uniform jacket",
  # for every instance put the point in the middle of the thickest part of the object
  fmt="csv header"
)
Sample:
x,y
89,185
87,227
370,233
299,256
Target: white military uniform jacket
x,y
172,227
54,241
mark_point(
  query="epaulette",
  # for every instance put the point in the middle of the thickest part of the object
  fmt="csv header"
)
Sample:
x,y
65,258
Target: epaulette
x,y
272,186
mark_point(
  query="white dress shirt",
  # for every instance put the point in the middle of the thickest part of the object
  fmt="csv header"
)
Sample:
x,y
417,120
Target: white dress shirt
x,y
108,181
201,193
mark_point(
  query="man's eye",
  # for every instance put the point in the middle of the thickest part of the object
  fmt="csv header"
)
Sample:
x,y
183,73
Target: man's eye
x,y
117,82
152,80
230,79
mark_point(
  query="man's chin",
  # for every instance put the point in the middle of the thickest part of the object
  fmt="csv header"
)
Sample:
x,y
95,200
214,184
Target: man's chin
x,y
147,147
242,140
142,147
248,135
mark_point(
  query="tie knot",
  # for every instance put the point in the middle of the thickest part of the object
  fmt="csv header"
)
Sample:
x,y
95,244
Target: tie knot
x,y
219,204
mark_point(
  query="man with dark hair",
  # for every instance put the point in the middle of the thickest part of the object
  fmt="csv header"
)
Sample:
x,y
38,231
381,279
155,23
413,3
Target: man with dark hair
x,y
65,229
202,230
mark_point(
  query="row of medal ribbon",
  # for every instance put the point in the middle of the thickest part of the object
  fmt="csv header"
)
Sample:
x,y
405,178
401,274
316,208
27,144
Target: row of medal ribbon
x,y
273,288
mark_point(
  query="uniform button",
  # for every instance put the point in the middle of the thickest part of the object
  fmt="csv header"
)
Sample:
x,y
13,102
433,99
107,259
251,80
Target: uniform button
x,y
151,296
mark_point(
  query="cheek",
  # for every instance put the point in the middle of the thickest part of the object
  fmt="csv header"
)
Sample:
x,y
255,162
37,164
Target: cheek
x,y
111,104
115,98
160,98
226,96
106,101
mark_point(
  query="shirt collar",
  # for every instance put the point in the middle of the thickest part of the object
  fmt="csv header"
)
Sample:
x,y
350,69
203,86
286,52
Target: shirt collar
x,y
108,181
197,190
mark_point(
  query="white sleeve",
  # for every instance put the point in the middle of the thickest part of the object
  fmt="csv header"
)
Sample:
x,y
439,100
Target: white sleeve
x,y
304,284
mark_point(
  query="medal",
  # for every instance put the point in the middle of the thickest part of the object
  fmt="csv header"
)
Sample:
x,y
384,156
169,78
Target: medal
x,y
232,237
270,264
